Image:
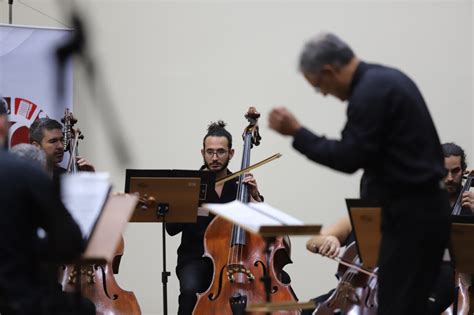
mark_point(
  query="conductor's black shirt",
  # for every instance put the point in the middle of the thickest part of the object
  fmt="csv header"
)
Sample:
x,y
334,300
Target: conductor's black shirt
x,y
389,133
192,236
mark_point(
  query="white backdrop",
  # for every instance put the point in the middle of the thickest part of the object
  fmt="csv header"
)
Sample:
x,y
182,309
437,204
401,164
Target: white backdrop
x,y
28,76
174,66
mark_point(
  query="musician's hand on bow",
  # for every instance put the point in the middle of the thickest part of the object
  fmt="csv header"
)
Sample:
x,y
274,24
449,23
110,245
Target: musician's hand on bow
x,y
253,188
84,165
283,121
326,245
330,247
314,243
468,200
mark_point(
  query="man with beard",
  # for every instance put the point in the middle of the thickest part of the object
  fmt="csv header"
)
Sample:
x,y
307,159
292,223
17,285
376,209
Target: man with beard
x,y
194,271
47,134
455,163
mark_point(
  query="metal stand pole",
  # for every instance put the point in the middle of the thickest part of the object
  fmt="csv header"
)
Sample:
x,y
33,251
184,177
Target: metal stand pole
x,y
161,212
10,12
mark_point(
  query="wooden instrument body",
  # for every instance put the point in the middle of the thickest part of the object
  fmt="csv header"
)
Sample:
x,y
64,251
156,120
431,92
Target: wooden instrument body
x,y
356,292
98,284
216,300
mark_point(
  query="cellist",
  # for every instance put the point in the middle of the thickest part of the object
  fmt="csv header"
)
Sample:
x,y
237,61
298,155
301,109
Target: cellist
x,y
195,272
456,166
339,234
47,134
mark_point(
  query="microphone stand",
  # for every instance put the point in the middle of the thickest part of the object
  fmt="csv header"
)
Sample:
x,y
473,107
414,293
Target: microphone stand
x,y
10,12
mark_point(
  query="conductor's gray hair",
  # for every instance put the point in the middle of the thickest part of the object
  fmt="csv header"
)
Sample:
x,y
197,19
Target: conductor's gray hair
x,y
30,154
324,49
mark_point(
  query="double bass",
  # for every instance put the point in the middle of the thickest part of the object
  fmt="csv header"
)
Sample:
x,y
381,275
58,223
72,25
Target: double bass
x,y
356,292
463,285
97,281
239,257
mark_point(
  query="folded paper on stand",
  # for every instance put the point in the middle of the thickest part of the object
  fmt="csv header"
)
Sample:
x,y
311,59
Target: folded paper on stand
x,y
261,218
84,195
101,216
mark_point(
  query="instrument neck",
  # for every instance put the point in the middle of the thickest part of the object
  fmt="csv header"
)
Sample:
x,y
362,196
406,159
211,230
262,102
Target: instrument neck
x,y
242,191
238,234
458,205
72,167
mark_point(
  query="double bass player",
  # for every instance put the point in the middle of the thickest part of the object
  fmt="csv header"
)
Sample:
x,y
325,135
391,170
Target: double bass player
x,y
195,272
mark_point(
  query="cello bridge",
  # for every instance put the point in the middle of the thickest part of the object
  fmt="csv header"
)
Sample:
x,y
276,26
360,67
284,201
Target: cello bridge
x,y
87,270
234,269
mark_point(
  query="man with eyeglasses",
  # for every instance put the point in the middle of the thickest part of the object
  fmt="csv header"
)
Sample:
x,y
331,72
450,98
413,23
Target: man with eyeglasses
x,y
389,134
194,271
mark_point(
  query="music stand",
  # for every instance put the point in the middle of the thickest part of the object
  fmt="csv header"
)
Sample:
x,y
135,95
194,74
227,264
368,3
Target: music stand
x,y
462,238
462,255
108,230
177,194
366,221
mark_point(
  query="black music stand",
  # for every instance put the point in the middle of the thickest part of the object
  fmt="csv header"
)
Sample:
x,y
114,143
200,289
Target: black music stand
x,y
461,251
177,193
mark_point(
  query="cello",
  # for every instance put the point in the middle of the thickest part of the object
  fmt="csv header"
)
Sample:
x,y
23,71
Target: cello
x,y
97,281
356,292
239,257
464,297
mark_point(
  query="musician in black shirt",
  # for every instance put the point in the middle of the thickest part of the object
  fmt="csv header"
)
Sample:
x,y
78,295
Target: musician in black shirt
x,y
195,272
455,164
328,243
47,134
389,133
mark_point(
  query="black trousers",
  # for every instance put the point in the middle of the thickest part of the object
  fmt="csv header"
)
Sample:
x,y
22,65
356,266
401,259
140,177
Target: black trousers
x,y
443,292
58,303
415,232
194,277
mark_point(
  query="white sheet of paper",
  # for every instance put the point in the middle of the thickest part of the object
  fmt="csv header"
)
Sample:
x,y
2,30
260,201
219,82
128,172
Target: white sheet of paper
x,y
252,215
84,195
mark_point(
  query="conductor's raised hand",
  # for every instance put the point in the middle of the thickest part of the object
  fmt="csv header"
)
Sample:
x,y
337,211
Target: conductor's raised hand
x,y
283,121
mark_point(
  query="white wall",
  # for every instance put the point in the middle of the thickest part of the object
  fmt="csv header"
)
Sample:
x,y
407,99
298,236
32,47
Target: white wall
x,y
173,66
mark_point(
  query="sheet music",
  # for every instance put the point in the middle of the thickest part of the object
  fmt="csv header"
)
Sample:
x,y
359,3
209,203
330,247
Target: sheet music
x,y
84,195
252,215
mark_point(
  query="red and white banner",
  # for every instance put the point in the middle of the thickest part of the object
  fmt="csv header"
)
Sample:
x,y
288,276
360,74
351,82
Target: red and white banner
x,y
28,72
